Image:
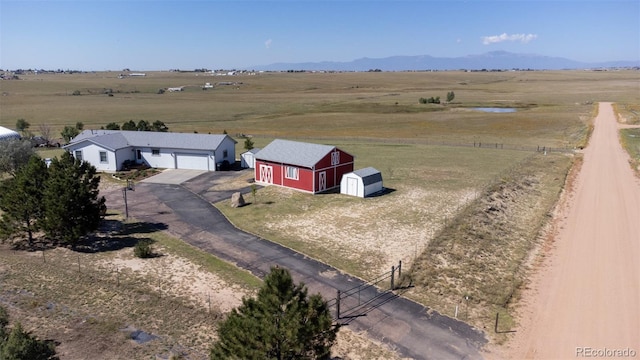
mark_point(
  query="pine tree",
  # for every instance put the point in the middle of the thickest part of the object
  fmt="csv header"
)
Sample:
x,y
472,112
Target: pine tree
x,y
21,200
72,206
282,322
21,345
248,143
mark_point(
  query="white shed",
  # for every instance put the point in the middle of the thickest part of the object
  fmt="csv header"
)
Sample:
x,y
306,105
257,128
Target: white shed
x,y
361,183
247,158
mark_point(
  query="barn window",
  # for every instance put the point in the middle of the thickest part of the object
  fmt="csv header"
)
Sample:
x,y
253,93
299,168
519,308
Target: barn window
x,y
103,157
79,155
335,158
291,172
155,152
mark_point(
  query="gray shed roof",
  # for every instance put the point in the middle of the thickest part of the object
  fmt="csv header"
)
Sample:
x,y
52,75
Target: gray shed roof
x,y
252,151
117,139
369,175
294,152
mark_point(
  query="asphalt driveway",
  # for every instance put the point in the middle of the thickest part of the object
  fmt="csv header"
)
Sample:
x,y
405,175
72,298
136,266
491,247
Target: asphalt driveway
x,y
412,329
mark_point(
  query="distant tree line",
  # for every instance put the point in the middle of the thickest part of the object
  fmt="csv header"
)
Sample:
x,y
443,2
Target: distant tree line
x,y
436,100
141,125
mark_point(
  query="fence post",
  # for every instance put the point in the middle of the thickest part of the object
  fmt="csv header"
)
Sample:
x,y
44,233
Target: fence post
x,y
400,270
338,305
393,271
496,327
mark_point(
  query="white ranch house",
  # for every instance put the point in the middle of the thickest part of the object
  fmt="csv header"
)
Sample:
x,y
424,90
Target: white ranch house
x,y
108,150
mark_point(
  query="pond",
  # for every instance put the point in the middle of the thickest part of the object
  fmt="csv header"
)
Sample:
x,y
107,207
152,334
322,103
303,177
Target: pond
x,y
495,110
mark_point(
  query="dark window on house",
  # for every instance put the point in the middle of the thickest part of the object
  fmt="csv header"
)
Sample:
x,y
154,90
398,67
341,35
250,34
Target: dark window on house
x,y
103,157
79,155
155,152
224,154
139,154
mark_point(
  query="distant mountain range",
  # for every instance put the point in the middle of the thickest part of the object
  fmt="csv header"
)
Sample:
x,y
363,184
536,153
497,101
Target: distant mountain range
x,y
495,60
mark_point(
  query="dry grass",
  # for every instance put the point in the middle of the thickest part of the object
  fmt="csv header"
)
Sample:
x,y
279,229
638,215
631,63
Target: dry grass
x,y
379,105
479,260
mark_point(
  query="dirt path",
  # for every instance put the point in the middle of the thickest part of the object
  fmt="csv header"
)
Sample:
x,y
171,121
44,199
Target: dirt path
x,y
585,301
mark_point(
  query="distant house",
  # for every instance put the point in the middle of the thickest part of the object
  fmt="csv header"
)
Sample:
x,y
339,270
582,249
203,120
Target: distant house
x,y
302,166
174,89
247,158
361,183
108,150
7,134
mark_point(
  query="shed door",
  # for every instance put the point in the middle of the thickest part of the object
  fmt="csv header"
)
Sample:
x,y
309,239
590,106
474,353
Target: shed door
x,y
352,186
266,174
322,181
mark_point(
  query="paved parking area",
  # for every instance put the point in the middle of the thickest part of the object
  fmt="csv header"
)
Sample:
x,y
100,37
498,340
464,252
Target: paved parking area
x,y
173,176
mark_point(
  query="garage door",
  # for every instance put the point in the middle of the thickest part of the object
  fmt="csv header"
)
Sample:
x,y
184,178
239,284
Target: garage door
x,y
192,161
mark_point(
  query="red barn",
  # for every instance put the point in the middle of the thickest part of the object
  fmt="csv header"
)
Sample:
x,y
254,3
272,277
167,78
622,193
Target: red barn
x,y
303,166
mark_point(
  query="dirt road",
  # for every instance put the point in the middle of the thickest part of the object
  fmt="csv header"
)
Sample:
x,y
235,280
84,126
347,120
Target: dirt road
x,y
585,302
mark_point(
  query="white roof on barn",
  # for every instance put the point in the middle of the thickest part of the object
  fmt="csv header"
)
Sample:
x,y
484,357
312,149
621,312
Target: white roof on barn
x,y
294,152
118,139
8,133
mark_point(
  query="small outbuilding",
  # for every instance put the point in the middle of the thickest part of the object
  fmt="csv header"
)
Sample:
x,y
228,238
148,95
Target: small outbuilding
x,y
361,183
247,158
7,134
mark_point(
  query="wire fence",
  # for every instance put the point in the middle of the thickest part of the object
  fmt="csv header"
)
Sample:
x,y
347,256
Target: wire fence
x,y
476,144
359,300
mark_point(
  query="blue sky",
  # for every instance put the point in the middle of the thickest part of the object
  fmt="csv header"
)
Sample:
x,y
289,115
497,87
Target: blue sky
x,y
160,35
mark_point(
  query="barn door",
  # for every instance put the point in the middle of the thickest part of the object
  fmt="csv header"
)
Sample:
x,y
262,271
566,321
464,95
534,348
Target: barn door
x,y
266,174
322,181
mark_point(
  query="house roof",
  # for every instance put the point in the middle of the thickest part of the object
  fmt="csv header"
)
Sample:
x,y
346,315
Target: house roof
x,y
117,139
369,175
294,152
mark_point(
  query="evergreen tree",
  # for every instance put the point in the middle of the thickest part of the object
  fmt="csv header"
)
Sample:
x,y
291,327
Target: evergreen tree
x,y
159,126
143,125
248,143
4,321
112,126
282,322
450,96
130,126
72,206
21,200
69,132
20,345
14,154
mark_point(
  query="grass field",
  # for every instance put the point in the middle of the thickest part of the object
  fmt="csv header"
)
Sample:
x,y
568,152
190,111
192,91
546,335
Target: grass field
x,y
465,220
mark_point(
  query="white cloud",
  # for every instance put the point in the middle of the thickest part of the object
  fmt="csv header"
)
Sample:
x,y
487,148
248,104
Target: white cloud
x,y
267,43
523,38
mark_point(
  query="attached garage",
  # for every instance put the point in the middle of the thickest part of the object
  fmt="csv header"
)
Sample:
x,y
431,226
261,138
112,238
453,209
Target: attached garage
x,y
192,161
361,183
